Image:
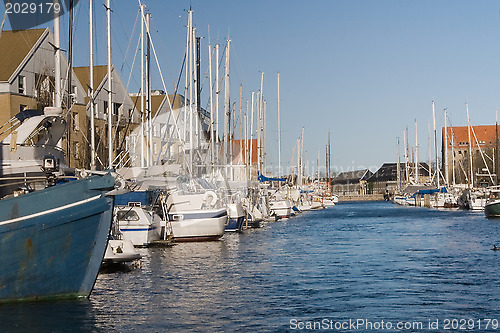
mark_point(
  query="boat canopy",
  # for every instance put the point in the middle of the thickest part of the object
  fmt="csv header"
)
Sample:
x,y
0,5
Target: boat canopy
x,y
432,191
263,178
142,197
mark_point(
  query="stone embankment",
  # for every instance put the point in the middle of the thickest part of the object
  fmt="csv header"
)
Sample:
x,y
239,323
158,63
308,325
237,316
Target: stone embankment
x,y
367,197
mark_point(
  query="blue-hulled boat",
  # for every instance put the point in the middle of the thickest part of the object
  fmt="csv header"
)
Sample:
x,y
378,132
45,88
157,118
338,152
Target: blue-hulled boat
x,y
53,240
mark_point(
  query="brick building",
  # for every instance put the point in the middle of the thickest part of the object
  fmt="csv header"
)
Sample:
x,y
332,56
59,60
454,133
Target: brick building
x,y
484,150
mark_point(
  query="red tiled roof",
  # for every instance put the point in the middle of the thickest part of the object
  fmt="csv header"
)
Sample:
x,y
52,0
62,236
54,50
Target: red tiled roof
x,y
485,135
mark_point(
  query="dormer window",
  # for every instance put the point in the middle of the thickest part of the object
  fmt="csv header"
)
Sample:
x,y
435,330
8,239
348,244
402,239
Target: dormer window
x,y
21,84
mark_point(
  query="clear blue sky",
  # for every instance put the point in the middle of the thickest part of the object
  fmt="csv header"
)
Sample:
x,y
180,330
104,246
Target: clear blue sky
x,y
363,70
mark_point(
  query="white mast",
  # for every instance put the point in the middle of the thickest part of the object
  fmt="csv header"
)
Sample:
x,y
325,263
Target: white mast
x,y
435,144
279,131
302,158
251,132
261,123
212,148
430,151
148,90
405,139
92,103
470,149
398,167
264,136
196,116
57,69
190,58
446,172
452,156
110,97
227,106
217,98
143,109
416,152
241,124
186,78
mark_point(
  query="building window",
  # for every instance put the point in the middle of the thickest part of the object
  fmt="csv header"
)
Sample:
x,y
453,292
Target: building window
x,y
105,107
74,120
76,150
116,109
21,83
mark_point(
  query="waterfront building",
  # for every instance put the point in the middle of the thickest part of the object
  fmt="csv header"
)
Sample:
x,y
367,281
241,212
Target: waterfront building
x,y
484,154
125,117
27,82
385,179
351,182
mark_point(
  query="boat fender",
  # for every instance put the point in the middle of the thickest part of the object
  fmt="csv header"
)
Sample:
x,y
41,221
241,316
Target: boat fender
x,y
210,198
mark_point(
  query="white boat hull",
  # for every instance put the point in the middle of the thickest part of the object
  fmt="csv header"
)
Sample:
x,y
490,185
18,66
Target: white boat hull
x,y
210,224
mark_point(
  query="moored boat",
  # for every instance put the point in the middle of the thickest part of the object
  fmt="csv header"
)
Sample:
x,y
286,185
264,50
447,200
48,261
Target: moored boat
x,y
492,206
236,217
54,240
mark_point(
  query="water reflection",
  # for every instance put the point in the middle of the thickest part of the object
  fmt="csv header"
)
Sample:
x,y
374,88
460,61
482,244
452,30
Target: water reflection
x,y
369,260
60,316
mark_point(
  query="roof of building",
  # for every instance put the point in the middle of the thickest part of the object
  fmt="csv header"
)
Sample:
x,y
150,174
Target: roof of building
x,y
485,134
15,45
157,100
352,176
83,74
389,172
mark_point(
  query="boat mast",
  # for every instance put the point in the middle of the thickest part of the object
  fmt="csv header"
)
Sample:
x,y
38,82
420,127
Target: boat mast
x,y
446,172
279,130
190,62
452,156
197,96
251,132
495,156
430,151
57,69
241,124
471,181
143,109
246,144
227,110
405,139
416,152
91,94
212,148
110,96
398,167
148,91
329,164
70,69
302,158
261,125
435,144
264,135
217,100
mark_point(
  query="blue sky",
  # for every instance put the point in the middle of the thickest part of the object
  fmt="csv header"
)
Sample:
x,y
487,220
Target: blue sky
x,y
364,70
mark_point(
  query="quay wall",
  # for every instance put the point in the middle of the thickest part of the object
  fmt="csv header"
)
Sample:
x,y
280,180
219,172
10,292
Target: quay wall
x,y
367,197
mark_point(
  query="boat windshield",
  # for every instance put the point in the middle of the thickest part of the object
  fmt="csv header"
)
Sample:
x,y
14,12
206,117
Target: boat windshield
x,y
127,215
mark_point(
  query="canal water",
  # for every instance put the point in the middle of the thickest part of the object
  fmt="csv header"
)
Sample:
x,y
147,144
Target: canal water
x,y
353,267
